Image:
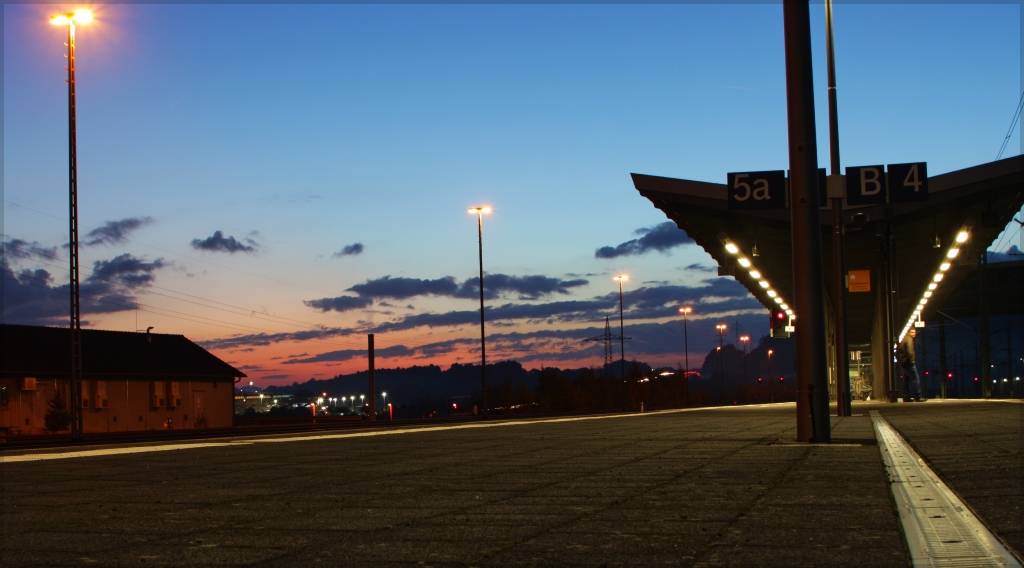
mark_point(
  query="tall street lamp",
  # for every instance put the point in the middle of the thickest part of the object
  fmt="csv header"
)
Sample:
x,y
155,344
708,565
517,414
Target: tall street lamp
x,y
721,368
622,339
479,211
744,339
686,340
770,375
69,20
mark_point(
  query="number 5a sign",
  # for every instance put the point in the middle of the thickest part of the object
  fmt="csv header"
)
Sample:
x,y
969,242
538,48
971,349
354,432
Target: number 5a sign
x,y
757,190
872,185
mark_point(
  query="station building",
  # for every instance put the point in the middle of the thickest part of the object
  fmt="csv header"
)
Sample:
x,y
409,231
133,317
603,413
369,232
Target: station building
x,y
130,381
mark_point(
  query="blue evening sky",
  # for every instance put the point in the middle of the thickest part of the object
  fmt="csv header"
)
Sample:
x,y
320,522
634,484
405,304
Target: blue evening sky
x,y
232,158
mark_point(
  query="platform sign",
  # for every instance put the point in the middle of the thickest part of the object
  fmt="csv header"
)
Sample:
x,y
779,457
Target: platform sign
x,y
757,190
858,281
908,182
865,185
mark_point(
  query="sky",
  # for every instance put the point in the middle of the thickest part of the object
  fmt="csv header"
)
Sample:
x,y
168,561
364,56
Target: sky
x,y
275,182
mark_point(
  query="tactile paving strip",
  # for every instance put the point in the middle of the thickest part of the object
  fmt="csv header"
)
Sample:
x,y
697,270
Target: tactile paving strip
x,y
941,530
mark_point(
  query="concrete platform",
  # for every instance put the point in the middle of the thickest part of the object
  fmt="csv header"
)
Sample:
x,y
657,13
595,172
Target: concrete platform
x,y
707,487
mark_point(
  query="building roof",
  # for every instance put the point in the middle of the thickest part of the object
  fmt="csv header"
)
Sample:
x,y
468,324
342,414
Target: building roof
x,y
31,350
983,197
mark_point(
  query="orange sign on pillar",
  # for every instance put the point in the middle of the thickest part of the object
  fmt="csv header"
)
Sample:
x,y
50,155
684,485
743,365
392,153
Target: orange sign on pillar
x,y
858,281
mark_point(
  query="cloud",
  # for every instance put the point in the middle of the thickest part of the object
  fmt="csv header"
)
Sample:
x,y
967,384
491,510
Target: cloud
x,y
716,297
530,287
701,268
346,354
402,288
130,270
264,339
1012,254
115,232
349,250
219,243
25,249
339,304
661,342
30,297
527,287
659,238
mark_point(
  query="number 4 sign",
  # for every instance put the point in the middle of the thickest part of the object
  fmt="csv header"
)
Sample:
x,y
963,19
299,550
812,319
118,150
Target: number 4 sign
x,y
908,182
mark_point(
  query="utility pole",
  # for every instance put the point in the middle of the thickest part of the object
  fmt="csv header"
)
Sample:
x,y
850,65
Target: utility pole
x,y
836,191
373,382
813,423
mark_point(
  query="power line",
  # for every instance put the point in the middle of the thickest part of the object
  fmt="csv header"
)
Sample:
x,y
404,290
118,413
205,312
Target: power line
x,y
1006,234
182,255
1013,124
246,312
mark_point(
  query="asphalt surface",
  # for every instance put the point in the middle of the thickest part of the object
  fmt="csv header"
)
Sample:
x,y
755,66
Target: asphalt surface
x,y
708,487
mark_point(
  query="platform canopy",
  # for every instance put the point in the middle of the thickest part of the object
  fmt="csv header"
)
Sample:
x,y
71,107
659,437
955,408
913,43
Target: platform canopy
x,y
981,200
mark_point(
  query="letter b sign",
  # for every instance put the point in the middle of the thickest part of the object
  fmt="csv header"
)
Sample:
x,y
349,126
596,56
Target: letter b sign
x,y
865,185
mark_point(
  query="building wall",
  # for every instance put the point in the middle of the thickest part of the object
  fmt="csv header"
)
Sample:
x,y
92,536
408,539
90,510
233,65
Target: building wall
x,y
25,408
121,405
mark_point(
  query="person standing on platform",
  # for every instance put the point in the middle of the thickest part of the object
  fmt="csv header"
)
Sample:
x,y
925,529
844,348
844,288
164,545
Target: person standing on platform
x,y
911,390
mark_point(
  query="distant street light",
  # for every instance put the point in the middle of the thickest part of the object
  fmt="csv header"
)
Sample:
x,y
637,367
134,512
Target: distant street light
x,y
770,375
721,368
69,20
686,339
362,397
622,339
479,211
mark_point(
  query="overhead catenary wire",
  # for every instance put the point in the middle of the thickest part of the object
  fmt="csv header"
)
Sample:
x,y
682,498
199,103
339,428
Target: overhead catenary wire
x,y
307,326
1013,124
1007,235
14,249
179,254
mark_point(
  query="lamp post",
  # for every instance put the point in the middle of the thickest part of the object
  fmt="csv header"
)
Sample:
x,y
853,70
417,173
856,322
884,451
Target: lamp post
x,y
69,20
362,404
770,375
721,368
686,340
744,339
479,211
622,339
384,398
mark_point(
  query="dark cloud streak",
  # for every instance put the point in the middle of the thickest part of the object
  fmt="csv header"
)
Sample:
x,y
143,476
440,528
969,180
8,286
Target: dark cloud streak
x,y
349,250
115,232
219,243
659,238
